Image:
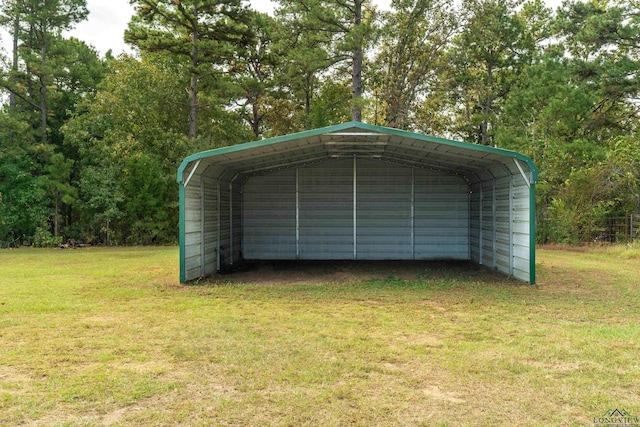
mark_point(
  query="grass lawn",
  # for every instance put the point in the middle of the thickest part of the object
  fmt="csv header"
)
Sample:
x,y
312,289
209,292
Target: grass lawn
x,y
98,336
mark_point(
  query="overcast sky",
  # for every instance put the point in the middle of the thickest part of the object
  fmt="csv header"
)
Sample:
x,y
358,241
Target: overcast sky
x,y
108,19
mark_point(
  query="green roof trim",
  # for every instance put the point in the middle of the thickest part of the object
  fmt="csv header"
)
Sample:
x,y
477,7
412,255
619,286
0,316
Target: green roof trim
x,y
357,125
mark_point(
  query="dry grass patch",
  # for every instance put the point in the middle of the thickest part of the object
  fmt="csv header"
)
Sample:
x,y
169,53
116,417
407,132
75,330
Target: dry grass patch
x,y
107,337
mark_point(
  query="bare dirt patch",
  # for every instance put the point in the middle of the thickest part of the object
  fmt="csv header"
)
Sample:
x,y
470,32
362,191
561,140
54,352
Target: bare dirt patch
x,y
318,272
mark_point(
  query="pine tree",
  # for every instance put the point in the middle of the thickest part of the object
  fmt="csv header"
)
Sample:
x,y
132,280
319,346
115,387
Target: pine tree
x,y
206,33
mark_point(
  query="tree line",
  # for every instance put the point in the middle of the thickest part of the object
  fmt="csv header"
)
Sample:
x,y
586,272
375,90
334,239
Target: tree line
x,y
89,145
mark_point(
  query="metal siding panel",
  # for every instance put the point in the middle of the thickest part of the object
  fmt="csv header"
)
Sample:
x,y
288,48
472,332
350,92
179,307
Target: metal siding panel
x,y
441,216
383,211
487,223
521,228
237,221
269,216
192,230
210,225
192,273
502,226
475,223
326,210
225,231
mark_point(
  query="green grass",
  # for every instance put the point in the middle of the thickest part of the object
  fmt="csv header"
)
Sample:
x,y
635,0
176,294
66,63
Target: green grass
x,y
97,336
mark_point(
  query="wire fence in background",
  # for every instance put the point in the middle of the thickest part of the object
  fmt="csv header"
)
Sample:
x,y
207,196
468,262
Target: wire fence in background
x,y
575,229
615,229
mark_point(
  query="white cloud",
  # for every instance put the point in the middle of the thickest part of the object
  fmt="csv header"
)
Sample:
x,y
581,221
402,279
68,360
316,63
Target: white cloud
x,y
104,29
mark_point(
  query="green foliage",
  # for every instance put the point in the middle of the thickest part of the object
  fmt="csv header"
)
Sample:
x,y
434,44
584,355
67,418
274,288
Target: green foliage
x,y
42,238
148,205
89,147
411,59
22,204
203,35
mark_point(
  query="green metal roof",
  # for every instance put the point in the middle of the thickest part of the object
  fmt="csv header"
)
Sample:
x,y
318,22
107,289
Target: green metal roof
x,y
364,141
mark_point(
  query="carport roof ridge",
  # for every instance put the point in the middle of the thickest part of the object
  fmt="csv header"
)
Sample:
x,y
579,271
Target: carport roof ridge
x,y
355,127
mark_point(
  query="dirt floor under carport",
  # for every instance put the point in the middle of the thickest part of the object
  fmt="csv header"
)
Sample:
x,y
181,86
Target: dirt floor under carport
x,y
315,272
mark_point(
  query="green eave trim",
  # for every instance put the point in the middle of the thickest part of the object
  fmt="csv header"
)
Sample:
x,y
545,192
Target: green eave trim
x,y
358,125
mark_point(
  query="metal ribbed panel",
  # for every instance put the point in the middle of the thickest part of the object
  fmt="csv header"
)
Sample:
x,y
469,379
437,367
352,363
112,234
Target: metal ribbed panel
x,y
236,221
488,224
475,211
269,216
441,216
224,233
384,196
520,228
502,227
192,230
326,210
210,225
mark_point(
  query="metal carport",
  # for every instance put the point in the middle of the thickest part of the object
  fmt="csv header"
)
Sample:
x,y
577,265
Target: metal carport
x,y
357,191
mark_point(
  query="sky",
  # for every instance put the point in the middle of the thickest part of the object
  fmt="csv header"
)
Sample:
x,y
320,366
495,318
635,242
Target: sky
x,y
108,19
104,29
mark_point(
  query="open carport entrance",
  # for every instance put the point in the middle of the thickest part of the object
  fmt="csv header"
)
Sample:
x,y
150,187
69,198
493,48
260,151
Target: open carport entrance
x,y
360,192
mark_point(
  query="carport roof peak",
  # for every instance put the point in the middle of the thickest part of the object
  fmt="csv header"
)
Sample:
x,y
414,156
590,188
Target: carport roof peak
x,y
361,140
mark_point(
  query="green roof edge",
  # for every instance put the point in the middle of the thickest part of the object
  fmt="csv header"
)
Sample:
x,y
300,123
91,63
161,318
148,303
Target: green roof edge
x,y
359,125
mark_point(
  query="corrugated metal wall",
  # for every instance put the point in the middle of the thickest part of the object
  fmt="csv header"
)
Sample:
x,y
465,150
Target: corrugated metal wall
x,y
193,229
326,210
401,213
441,216
500,225
210,200
488,224
520,228
384,210
236,221
269,216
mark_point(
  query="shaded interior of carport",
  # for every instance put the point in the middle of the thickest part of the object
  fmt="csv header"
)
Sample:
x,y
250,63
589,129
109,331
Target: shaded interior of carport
x,y
361,192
